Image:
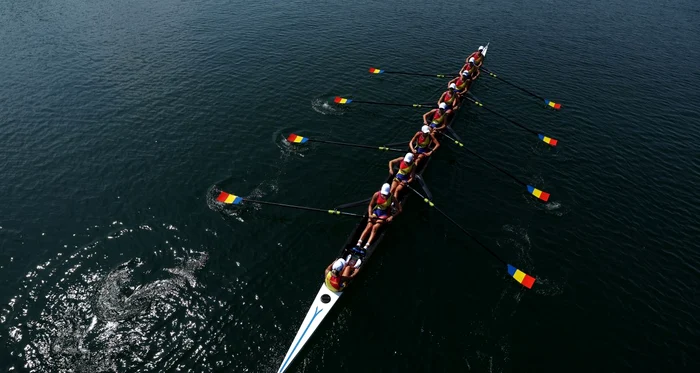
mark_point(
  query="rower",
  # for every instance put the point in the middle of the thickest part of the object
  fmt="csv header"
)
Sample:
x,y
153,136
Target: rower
x,y
379,213
461,82
340,272
450,97
423,139
438,117
478,57
404,175
471,68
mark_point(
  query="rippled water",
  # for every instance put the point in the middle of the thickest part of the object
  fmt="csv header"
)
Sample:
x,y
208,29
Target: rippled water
x,y
120,122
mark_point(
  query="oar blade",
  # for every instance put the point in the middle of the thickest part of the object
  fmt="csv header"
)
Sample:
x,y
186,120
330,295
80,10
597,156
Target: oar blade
x,y
229,199
548,140
521,277
342,100
542,195
372,70
552,104
294,138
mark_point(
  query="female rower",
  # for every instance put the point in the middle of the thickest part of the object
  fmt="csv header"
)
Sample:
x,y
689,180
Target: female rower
x,y
461,82
438,117
339,273
407,169
379,212
423,139
478,57
472,69
450,97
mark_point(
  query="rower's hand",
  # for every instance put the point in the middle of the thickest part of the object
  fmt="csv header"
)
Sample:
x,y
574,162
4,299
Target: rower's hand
x,y
389,219
429,153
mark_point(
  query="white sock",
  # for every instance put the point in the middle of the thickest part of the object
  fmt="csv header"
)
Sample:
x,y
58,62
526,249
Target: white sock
x,y
359,243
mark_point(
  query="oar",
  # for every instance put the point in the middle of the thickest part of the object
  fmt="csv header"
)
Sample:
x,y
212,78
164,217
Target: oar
x,y
549,103
296,139
232,199
354,204
372,70
544,196
520,276
345,101
545,139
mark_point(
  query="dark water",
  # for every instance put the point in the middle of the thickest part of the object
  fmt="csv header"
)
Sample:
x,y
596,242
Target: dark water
x,y
120,120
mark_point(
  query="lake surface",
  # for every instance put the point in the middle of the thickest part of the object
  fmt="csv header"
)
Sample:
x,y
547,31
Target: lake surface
x,y
121,120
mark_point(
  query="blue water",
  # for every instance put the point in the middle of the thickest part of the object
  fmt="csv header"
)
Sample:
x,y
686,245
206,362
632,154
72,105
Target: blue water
x,y
121,120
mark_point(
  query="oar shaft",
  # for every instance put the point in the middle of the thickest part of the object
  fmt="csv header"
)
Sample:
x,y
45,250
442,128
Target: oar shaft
x,y
507,82
502,116
457,224
359,145
487,161
391,104
416,74
333,212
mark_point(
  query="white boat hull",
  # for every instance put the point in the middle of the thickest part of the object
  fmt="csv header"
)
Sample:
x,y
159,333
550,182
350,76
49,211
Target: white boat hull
x,y
324,301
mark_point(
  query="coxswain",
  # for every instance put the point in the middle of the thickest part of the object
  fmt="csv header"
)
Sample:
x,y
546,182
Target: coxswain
x,y
438,117
405,174
339,273
423,140
450,97
478,57
461,82
379,213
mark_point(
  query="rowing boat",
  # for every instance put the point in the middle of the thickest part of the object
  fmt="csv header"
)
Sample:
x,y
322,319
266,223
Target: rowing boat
x,y
325,298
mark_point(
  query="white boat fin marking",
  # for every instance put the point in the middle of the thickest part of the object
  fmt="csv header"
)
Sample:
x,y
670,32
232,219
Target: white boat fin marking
x,y
284,365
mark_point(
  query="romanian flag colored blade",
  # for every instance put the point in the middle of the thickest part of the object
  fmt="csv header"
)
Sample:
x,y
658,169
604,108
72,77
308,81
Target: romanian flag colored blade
x,y
297,139
341,100
552,104
548,140
521,277
538,193
229,198
372,70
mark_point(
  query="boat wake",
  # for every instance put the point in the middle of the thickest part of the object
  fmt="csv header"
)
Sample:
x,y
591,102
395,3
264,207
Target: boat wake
x,y
93,310
325,106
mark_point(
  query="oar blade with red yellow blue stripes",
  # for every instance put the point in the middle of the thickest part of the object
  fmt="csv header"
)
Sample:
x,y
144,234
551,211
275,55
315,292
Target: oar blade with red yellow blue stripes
x,y
296,139
373,70
342,100
552,104
229,199
548,140
542,195
521,277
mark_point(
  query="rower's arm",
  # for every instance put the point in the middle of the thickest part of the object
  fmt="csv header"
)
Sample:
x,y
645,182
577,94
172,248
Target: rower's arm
x,y
413,174
465,67
391,164
437,143
410,143
442,97
328,269
425,117
371,203
355,272
452,81
444,124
